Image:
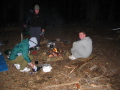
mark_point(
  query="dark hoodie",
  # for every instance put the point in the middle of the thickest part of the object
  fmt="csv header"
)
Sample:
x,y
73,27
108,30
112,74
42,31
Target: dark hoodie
x,y
37,20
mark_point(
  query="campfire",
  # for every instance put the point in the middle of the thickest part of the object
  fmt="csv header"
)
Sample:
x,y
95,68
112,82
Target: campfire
x,y
54,52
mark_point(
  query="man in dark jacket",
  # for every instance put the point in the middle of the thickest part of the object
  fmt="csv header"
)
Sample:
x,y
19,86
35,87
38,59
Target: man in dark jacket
x,y
36,24
20,57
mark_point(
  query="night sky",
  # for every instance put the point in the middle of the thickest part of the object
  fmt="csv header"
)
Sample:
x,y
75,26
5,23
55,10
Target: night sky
x,y
15,11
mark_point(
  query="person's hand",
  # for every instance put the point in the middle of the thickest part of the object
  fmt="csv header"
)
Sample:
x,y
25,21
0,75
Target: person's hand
x,y
43,30
42,33
32,65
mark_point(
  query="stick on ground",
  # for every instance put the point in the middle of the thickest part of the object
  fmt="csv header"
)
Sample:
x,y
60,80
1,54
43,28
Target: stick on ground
x,y
64,84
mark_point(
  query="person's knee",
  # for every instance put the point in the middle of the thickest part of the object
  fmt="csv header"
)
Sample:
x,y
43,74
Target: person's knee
x,y
31,57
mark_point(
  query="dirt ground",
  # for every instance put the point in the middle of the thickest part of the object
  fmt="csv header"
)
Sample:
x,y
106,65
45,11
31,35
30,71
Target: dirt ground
x,y
98,72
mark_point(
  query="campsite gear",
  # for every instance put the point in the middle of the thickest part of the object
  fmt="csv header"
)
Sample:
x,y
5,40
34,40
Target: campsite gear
x,y
46,68
34,52
7,52
36,68
39,67
50,45
37,48
36,62
3,64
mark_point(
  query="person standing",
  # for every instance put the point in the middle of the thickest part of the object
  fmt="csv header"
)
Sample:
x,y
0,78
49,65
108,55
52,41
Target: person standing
x,y
81,48
36,24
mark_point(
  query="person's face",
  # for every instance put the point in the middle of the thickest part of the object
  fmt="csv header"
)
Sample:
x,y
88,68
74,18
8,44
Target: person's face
x,y
36,11
82,35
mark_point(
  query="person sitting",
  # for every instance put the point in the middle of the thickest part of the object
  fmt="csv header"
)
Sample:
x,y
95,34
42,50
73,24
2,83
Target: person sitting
x,y
81,48
20,56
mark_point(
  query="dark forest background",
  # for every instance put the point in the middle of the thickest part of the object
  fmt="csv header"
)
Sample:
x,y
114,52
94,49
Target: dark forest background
x,y
15,11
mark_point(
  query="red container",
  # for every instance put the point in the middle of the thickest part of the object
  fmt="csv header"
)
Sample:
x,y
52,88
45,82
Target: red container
x,y
34,52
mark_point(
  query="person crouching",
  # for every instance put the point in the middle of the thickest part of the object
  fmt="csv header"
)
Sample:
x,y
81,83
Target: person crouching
x,y
20,56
